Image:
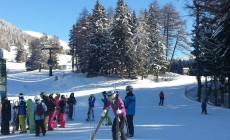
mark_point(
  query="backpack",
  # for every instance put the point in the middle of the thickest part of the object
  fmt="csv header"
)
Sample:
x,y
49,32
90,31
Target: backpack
x,y
40,110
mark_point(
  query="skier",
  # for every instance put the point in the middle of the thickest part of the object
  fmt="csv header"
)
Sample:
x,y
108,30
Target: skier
x,y
105,101
51,111
15,117
204,107
62,111
39,120
22,112
161,96
71,102
130,105
57,102
45,99
118,109
91,101
6,116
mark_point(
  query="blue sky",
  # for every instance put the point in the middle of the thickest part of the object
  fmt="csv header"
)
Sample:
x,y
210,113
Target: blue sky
x,y
56,17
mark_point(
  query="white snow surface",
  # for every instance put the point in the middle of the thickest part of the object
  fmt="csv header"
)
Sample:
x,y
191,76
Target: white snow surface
x,y
179,119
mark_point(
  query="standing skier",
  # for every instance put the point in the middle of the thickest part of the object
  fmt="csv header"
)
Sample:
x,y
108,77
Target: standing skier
x,y
71,102
119,110
204,107
105,100
130,105
39,119
22,113
90,114
62,111
161,96
51,111
6,116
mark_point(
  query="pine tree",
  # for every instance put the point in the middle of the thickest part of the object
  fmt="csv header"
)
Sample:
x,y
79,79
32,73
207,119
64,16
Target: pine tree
x,y
121,39
158,50
98,41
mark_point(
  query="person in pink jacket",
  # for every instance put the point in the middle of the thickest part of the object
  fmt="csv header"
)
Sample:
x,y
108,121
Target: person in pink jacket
x,y
115,100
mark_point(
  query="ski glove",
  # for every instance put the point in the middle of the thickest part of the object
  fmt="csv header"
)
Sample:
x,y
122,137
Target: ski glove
x,y
103,113
118,111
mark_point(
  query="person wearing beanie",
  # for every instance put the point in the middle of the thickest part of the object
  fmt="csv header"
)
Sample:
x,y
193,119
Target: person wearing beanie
x,y
45,99
6,116
51,111
62,111
57,102
22,113
71,102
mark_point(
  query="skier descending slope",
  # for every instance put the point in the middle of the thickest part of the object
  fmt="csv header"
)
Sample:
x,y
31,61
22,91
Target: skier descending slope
x,y
119,110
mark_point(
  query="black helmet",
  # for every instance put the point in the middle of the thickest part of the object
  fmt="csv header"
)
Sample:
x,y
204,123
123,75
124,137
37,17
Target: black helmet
x,y
129,88
21,95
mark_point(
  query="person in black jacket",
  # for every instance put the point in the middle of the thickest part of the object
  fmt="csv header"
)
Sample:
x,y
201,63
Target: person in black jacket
x,y
6,116
71,102
51,109
62,111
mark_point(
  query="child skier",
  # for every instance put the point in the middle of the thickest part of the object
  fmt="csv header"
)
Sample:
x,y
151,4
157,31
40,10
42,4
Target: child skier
x,y
119,110
90,114
105,101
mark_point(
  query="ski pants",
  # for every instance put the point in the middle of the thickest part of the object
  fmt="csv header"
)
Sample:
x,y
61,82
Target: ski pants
x,y
46,120
50,120
39,124
121,128
5,128
130,124
70,115
62,117
22,123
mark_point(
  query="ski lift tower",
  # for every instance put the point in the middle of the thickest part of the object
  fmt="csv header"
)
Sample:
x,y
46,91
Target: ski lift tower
x,y
3,76
50,60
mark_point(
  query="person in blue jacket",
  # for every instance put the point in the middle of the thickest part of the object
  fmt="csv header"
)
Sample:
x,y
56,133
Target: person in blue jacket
x,y
130,105
22,113
39,120
90,114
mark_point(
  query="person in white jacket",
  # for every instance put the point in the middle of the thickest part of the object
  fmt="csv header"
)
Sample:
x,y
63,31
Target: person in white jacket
x,y
39,119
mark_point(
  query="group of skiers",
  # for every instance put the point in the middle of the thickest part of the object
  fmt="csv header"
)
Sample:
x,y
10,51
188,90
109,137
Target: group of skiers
x,y
46,117
124,111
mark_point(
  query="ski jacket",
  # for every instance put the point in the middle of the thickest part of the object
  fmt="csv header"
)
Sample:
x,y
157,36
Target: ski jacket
x,y
161,95
57,102
113,105
91,101
22,107
62,106
105,100
52,105
37,117
71,100
130,103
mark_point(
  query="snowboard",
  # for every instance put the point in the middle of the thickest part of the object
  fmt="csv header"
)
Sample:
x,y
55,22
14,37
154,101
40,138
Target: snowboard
x,y
98,126
30,113
15,116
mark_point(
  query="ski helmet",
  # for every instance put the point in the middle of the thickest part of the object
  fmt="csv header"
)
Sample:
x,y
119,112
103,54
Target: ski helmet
x,y
21,95
112,93
129,88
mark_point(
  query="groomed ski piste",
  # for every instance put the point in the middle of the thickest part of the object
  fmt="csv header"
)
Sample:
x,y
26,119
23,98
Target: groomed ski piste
x,y
179,119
